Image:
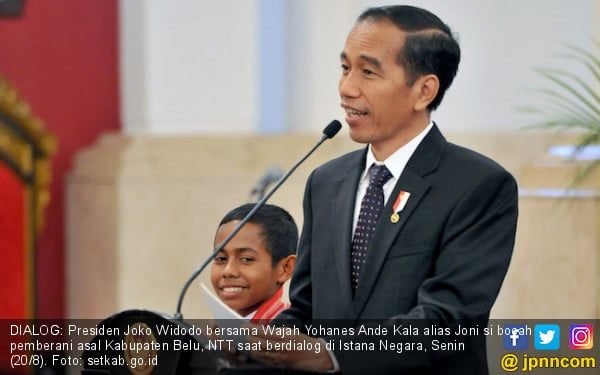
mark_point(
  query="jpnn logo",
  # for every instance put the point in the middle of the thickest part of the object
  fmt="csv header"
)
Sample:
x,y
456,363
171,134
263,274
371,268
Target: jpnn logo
x,y
516,336
581,336
546,337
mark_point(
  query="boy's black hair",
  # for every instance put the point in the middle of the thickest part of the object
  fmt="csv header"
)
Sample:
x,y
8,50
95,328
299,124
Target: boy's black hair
x,y
278,228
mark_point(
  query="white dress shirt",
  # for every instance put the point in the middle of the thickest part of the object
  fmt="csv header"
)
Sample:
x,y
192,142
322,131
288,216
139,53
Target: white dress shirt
x,y
395,163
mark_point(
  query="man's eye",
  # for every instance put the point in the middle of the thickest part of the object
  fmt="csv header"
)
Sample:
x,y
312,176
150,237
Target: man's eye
x,y
368,72
344,67
220,259
247,260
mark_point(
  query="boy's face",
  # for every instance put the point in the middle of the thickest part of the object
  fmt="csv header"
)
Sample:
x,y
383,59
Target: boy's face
x,y
242,274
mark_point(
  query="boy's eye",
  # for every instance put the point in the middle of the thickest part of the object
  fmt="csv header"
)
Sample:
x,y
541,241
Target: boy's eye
x,y
247,259
368,72
344,68
220,259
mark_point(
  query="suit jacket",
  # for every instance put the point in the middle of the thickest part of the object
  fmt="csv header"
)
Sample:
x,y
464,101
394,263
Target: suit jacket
x,y
444,260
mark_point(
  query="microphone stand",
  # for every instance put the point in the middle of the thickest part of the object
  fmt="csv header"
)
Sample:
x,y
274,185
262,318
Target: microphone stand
x,y
330,131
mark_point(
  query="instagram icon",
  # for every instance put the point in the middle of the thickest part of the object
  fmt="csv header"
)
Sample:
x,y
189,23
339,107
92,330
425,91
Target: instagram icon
x,y
581,336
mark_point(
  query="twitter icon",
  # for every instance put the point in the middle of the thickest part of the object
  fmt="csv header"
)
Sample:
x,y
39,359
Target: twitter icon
x,y
546,336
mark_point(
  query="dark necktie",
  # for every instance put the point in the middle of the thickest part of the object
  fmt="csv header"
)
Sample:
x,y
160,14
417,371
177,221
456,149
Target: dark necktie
x,y
370,209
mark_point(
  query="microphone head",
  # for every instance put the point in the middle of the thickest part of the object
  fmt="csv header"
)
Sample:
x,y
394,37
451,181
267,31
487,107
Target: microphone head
x,y
332,129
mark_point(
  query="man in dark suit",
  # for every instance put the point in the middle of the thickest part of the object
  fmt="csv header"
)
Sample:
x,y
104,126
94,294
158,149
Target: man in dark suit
x,y
428,236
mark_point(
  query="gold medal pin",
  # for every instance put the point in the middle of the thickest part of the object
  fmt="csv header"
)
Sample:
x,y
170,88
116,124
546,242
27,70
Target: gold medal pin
x,y
399,206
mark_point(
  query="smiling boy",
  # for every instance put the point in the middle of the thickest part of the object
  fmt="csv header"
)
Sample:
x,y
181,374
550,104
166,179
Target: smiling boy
x,y
248,274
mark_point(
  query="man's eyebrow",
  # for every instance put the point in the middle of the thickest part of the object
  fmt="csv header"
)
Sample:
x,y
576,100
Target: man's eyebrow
x,y
369,59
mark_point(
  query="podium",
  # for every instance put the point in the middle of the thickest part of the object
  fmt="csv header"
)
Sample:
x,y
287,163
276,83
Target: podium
x,y
143,342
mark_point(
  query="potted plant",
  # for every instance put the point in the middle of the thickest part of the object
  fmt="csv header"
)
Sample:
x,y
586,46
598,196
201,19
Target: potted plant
x,y
572,103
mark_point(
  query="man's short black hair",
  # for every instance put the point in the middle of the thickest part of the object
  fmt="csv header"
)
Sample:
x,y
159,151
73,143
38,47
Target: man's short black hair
x,y
278,228
429,48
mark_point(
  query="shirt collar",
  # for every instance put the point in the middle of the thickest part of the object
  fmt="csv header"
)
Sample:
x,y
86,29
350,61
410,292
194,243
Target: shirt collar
x,y
398,160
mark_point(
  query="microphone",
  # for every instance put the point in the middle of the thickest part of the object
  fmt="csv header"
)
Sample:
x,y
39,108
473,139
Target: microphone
x,y
273,174
329,132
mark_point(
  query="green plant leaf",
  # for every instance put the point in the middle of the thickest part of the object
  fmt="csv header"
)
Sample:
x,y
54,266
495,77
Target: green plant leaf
x,y
556,77
585,172
572,102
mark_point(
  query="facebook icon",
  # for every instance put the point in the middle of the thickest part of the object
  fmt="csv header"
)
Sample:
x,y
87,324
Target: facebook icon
x,y
516,337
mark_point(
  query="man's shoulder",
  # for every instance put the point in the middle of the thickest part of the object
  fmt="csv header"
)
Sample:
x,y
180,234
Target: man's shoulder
x,y
471,167
341,163
464,157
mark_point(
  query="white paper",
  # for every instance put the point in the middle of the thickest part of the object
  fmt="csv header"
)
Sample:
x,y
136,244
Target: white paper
x,y
218,308
225,317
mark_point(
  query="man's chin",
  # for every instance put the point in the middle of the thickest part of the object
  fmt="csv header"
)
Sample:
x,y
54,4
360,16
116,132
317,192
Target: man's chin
x,y
359,138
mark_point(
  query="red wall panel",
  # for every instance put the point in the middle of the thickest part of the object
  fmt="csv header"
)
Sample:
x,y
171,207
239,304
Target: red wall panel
x,y
14,267
62,57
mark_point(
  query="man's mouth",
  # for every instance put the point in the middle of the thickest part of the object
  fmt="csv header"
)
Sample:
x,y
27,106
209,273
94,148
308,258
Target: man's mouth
x,y
351,112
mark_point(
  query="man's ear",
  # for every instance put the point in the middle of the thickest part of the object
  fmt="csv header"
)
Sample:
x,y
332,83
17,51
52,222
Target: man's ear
x,y
286,268
427,88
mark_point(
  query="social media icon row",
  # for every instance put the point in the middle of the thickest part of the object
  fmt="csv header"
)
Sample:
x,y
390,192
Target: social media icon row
x,y
547,336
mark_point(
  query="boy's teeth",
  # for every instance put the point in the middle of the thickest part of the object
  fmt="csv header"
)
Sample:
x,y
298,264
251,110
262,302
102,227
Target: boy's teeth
x,y
233,289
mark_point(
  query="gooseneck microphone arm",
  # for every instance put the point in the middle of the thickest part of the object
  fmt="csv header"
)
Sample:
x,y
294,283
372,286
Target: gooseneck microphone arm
x,y
329,132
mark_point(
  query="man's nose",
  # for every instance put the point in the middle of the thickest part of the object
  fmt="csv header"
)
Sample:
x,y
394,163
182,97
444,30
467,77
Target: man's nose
x,y
348,86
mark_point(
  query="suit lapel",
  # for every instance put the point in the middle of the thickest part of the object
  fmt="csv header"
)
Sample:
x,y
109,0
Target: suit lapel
x,y
344,195
385,234
424,161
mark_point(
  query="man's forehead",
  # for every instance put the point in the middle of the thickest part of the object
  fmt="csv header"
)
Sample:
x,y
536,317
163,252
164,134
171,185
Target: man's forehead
x,y
373,39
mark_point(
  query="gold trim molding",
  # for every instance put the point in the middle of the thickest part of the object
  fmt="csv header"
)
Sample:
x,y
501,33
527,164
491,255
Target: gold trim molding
x,y
27,146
